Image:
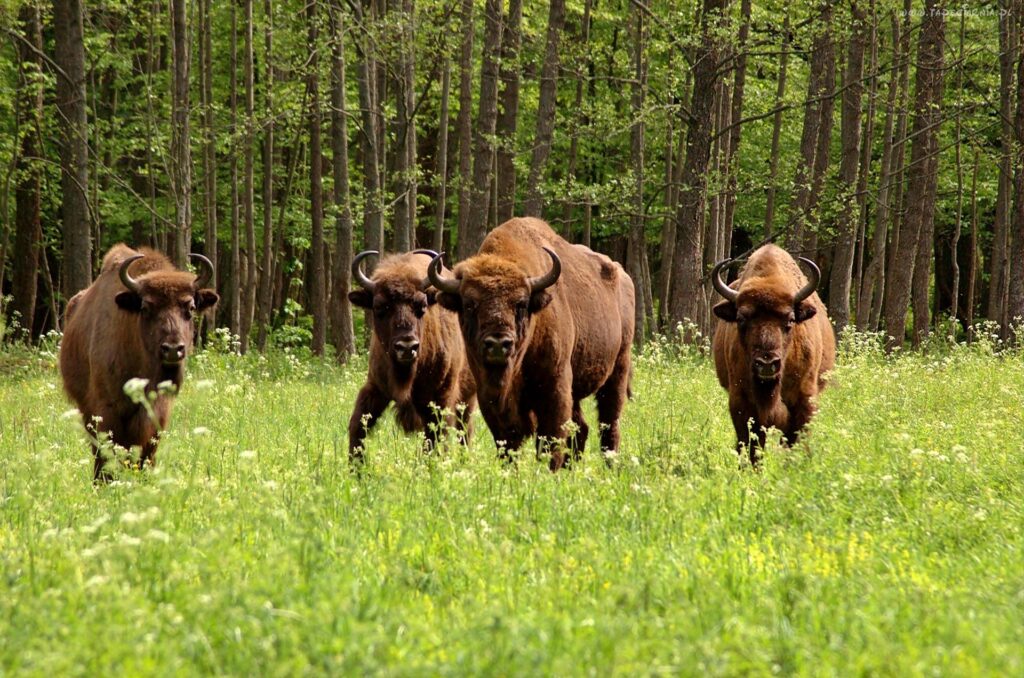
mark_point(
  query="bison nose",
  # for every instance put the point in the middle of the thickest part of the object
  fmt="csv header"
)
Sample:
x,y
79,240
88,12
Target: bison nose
x,y
406,349
172,353
767,367
497,348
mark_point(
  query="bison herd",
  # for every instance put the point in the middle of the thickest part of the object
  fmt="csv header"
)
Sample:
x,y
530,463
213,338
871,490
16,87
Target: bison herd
x,y
525,329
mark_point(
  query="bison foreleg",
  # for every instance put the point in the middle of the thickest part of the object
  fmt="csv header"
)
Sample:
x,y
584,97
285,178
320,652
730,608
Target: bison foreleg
x,y
579,440
370,404
799,415
610,399
552,417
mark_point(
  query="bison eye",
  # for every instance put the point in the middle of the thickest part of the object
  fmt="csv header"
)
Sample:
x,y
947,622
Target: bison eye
x,y
382,310
469,306
419,309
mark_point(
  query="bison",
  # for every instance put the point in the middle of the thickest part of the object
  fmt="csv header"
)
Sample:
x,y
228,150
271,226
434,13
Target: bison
x,y
546,324
417,358
134,321
773,345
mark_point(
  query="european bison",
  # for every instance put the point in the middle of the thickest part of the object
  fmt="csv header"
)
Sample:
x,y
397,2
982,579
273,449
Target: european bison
x,y
773,345
416,355
134,321
546,324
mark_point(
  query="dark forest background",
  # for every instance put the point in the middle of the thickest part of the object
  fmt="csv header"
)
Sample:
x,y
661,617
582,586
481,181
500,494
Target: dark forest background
x,y
880,138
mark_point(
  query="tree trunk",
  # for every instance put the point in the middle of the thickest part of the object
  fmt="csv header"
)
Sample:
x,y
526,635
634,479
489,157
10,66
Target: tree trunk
x,y
235,284
773,156
373,224
954,243
317,295
509,112
545,110
1015,286
27,193
864,169
579,119
441,161
74,145
922,181
404,131
687,298
735,131
209,143
180,174
637,240
464,121
846,224
999,264
972,270
266,292
248,183
341,309
483,142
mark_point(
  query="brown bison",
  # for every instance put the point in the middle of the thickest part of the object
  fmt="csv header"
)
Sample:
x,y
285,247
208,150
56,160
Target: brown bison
x,y
134,321
773,345
546,324
416,355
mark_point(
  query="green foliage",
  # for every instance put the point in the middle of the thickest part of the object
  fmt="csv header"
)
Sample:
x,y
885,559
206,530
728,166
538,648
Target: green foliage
x,y
888,542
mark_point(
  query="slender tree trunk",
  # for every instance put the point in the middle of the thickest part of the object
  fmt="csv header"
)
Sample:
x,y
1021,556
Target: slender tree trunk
x,y
999,264
318,297
180,174
846,226
773,155
373,223
637,239
464,121
235,285
27,193
954,244
209,142
483,142
687,298
441,161
922,180
864,168
735,132
508,112
341,309
972,270
579,118
248,183
545,110
74,145
266,292
404,130
1015,286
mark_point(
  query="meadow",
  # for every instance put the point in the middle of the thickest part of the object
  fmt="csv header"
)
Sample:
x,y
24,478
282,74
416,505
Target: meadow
x,y
890,541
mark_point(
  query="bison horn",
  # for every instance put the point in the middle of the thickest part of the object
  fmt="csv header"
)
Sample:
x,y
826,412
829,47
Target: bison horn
x,y
548,279
357,270
127,280
449,285
812,281
205,267
720,286
429,253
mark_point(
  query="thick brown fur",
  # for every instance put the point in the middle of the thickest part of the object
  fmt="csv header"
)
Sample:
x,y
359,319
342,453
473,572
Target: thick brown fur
x,y
571,340
764,323
438,377
112,335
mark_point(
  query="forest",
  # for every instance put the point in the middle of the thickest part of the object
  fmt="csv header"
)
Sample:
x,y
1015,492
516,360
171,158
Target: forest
x,y
879,138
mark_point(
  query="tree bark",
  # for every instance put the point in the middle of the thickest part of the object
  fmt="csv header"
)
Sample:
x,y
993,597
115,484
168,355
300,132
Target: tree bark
x,y
180,174
917,223
1015,286
404,131
637,239
773,155
687,298
248,182
74,145
846,225
483,142
235,283
736,129
509,111
341,309
317,293
464,121
545,110
373,223
999,264
441,161
209,143
28,232
266,292
580,119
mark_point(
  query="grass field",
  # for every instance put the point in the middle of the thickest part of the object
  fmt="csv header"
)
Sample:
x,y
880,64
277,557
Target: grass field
x,y
890,542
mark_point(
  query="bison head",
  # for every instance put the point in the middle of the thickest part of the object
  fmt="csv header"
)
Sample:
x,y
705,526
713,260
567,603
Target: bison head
x,y
398,298
765,317
165,302
495,300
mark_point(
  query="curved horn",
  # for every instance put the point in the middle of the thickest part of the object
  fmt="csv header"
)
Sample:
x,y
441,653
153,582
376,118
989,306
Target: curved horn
x,y
127,280
357,270
720,286
812,281
429,253
205,267
548,279
449,285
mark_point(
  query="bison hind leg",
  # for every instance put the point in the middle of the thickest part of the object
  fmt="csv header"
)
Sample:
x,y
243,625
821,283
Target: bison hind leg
x,y
611,397
578,443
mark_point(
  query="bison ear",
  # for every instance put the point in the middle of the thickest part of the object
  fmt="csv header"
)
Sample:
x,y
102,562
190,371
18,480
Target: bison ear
x,y
361,298
129,301
726,310
805,310
206,299
452,302
539,301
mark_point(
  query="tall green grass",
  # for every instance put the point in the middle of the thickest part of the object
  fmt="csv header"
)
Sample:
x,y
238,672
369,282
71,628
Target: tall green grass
x,y
888,542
